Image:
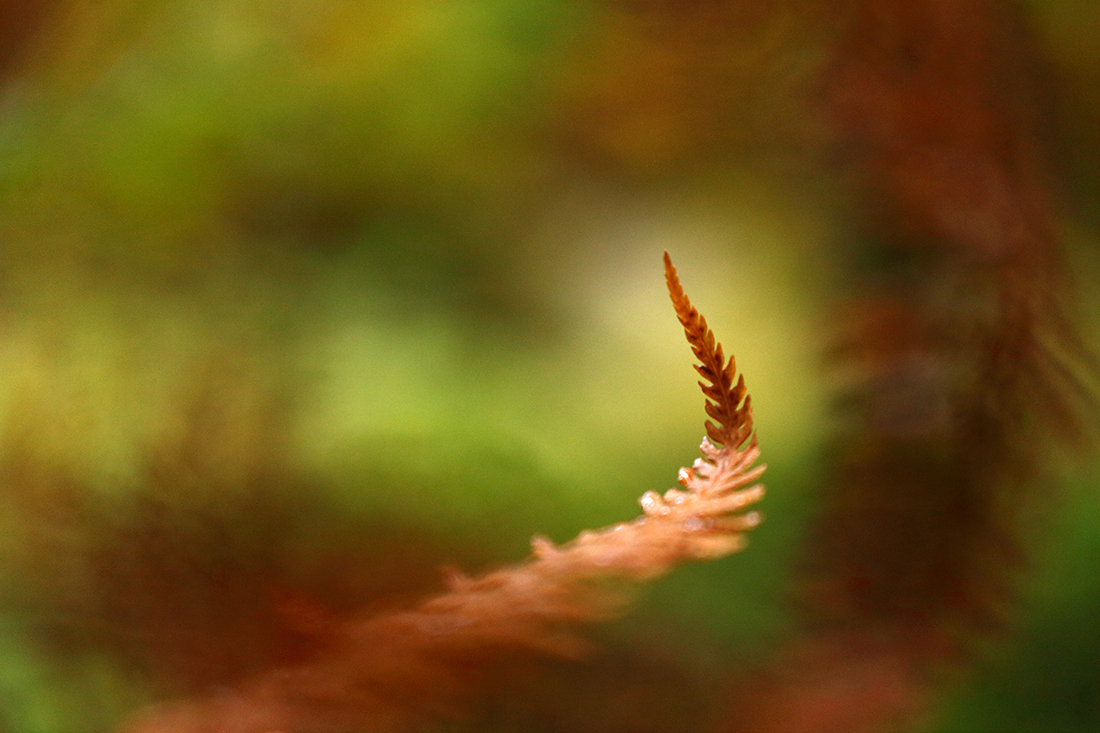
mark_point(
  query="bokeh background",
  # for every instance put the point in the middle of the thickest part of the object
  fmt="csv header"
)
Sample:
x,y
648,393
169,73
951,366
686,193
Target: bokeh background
x,y
302,301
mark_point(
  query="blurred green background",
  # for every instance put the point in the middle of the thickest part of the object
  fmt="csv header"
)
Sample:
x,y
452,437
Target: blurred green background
x,y
309,269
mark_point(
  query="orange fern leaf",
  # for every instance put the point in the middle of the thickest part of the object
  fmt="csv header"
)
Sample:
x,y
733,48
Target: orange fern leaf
x,y
728,403
393,671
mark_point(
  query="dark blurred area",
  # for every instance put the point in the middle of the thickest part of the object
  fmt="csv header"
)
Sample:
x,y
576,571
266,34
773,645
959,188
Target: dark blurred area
x,y
302,302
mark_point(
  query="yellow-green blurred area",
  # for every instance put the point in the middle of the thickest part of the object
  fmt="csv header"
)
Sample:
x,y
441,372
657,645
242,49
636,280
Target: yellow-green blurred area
x,y
302,301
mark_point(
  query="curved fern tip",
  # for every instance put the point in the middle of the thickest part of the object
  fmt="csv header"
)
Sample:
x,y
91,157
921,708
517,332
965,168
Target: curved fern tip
x,y
727,402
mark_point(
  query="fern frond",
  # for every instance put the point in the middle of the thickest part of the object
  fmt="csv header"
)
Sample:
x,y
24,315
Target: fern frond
x,y
728,403
392,671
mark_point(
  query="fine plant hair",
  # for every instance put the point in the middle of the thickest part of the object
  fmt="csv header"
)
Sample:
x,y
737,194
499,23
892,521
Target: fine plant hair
x,y
401,670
